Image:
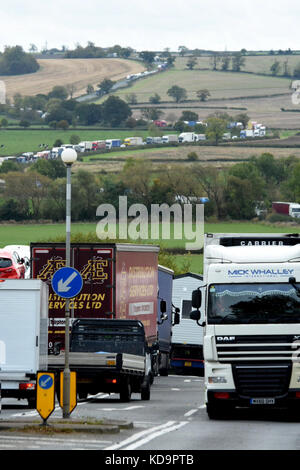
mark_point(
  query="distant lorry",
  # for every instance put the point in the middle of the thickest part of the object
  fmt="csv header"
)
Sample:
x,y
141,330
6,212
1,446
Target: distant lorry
x,y
187,137
120,282
133,141
251,324
168,139
112,143
246,133
23,336
98,144
291,209
187,341
86,146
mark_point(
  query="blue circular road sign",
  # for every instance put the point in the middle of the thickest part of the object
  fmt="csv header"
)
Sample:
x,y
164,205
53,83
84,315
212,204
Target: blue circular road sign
x,y
45,381
67,282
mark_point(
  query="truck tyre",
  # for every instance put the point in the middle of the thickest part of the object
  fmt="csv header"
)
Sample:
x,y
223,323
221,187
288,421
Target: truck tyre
x,y
145,389
125,392
164,372
218,412
31,402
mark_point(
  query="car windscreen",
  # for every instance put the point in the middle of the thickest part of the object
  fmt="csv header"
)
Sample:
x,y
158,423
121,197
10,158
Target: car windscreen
x,y
253,303
5,263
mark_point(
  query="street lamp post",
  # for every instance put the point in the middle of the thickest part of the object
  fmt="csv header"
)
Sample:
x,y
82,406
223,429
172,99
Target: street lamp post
x,y
68,156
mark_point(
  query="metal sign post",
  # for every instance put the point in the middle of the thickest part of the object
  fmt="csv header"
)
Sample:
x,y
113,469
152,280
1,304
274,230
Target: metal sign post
x,y
67,283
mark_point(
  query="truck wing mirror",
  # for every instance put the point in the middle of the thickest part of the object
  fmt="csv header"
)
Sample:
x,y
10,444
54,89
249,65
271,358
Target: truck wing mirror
x,y
196,315
176,318
163,306
196,298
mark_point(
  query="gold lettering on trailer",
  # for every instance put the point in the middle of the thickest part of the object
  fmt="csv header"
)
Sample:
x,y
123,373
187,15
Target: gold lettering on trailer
x,y
50,267
94,270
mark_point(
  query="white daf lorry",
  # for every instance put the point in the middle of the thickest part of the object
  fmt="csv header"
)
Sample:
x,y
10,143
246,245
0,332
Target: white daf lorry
x,y
252,322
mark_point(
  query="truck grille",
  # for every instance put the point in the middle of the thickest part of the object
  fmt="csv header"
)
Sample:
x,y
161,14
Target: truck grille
x,y
262,380
257,348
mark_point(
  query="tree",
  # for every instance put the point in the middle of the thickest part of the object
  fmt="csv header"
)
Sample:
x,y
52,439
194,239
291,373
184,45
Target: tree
x,y
243,118
275,67
131,98
296,73
178,93
151,113
214,60
238,61
89,114
63,124
14,61
154,99
189,116
182,50
24,123
203,94
106,85
225,61
74,139
191,63
89,89
115,111
147,57
215,129
59,92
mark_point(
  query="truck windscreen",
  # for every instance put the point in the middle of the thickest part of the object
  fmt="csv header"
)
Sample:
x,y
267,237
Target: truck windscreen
x,y
253,303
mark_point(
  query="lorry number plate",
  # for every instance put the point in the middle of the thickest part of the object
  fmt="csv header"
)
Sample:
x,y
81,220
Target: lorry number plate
x,y
187,364
262,401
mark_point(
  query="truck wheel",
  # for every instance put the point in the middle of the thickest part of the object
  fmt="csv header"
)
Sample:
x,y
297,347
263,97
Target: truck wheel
x,y
125,392
31,402
217,412
145,390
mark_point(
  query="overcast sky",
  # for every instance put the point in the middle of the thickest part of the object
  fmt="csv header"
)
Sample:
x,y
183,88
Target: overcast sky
x,y
152,25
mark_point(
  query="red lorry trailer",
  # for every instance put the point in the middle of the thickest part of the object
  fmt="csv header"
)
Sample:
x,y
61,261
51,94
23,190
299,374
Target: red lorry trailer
x,y
120,285
119,282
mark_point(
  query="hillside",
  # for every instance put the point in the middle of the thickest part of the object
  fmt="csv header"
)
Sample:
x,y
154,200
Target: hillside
x,y
262,96
79,72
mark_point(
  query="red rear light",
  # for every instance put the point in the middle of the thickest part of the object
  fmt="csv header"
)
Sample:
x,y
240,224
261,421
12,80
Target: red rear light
x,y
297,394
111,381
221,395
27,386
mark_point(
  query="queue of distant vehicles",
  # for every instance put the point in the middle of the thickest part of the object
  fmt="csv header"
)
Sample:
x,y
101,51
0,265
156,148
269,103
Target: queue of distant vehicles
x,y
256,130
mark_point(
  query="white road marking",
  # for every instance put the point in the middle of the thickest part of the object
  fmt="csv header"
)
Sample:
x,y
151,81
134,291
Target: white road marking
x,y
143,437
121,409
189,413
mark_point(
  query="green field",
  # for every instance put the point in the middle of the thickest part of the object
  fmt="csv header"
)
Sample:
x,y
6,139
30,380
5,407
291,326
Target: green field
x,y
29,140
15,234
221,85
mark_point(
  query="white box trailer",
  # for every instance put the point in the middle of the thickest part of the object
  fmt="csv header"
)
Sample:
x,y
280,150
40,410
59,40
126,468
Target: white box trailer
x,y
187,338
23,336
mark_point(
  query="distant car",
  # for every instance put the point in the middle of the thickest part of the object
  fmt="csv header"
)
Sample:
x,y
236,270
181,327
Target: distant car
x,y
11,265
22,252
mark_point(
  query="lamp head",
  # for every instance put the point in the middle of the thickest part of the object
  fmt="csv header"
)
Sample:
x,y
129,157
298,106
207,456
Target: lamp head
x,y
69,156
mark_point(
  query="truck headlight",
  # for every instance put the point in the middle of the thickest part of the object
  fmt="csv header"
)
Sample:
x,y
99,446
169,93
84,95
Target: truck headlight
x,y
217,380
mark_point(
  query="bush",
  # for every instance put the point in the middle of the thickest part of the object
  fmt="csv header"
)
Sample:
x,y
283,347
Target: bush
x,y
192,156
280,218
